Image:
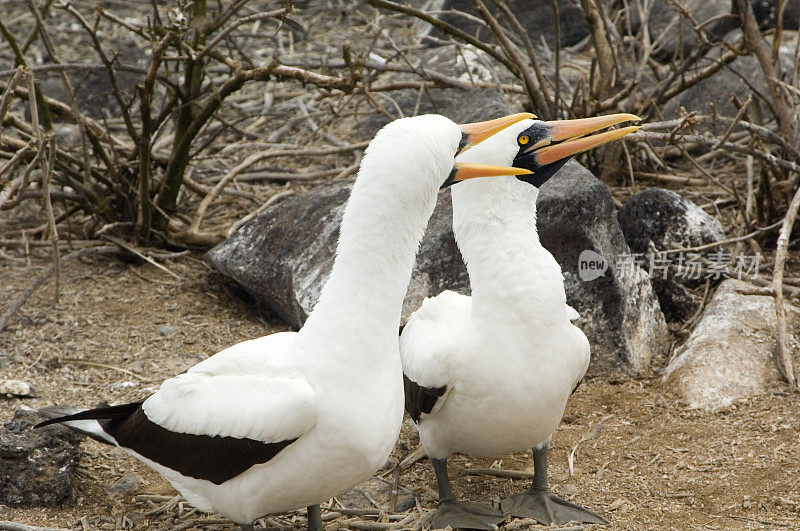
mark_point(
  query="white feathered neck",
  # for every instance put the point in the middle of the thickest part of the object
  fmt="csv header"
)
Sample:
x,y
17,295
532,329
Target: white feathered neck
x,y
385,218
494,220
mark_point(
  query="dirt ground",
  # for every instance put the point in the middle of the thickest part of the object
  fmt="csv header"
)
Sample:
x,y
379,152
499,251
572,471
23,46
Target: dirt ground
x,y
642,460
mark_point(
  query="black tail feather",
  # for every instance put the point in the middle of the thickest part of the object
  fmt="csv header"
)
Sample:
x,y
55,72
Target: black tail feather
x,y
101,413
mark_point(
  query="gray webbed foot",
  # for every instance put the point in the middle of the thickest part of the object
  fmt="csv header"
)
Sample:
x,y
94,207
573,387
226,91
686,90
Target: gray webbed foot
x,y
548,509
466,515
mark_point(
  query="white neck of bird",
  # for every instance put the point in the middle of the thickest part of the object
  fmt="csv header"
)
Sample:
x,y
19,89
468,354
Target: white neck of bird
x,y
511,275
379,237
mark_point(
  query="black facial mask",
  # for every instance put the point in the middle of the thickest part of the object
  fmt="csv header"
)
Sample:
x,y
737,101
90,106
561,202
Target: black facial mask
x,y
529,137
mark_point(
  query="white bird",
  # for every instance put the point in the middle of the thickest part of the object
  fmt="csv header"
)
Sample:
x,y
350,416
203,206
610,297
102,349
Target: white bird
x,y
491,373
292,419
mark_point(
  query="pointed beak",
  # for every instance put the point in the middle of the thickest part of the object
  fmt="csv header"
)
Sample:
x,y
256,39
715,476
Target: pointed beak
x,y
463,171
477,132
570,137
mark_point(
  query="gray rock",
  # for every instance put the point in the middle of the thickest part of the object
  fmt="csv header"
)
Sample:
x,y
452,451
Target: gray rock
x,y
125,485
536,17
734,78
742,77
16,388
167,331
37,467
619,312
668,220
671,32
730,354
791,16
766,12
656,220
283,258
93,89
677,302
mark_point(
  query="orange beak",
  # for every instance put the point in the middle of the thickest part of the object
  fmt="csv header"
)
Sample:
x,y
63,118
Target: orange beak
x,y
465,170
479,131
571,136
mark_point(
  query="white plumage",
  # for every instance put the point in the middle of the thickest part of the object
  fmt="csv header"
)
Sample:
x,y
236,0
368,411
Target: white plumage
x,y
508,355
335,386
268,394
504,361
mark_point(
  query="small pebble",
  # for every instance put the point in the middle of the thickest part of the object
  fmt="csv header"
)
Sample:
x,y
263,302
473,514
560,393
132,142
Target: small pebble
x,y
167,331
6,360
126,485
567,490
16,388
405,504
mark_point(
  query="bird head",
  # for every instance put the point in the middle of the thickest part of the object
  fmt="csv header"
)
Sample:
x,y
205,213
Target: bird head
x,y
473,134
544,147
416,155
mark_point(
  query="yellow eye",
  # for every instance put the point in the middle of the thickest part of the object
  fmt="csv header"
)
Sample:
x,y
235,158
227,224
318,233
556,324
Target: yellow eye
x,y
523,139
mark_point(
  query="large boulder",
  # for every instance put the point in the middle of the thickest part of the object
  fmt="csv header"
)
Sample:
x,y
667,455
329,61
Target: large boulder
x,y
673,35
742,78
536,17
671,32
283,258
658,220
619,311
767,13
37,467
735,78
93,89
667,220
730,354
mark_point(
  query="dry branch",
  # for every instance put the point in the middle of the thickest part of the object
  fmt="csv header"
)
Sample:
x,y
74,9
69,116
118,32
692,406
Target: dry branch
x,y
255,158
784,355
448,29
496,472
711,142
755,42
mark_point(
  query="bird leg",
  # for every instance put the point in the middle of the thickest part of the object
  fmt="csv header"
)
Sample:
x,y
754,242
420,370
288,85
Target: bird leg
x,y
544,506
460,514
314,518
247,527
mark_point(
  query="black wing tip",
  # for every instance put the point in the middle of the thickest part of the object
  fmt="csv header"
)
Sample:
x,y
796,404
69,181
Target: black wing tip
x,y
100,413
48,422
420,399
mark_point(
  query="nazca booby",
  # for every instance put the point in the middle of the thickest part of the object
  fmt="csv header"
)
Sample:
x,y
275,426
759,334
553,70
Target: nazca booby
x,y
491,373
294,418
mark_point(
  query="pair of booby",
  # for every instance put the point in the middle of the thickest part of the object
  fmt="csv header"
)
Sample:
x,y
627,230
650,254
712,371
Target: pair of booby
x,y
292,419
491,373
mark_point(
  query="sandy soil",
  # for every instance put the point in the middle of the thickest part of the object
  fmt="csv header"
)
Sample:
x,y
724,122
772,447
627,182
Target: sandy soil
x,y
642,460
